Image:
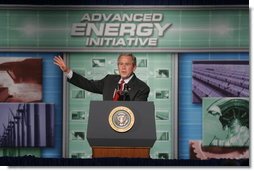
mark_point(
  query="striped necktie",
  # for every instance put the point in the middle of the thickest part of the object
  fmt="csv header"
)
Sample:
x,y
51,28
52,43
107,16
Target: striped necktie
x,y
118,92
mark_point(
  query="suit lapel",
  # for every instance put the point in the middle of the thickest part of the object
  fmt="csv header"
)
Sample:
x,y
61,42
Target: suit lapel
x,y
131,85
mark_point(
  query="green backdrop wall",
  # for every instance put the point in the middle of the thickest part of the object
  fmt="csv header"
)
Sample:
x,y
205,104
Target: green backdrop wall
x,y
156,69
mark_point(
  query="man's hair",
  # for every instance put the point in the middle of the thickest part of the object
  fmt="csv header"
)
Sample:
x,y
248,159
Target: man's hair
x,y
134,60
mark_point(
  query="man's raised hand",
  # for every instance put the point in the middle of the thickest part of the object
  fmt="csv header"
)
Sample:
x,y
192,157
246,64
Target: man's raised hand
x,y
60,62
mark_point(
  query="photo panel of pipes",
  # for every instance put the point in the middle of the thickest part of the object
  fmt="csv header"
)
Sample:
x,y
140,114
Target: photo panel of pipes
x,y
26,125
17,82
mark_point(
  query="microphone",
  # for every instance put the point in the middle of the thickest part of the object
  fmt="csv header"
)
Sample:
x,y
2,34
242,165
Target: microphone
x,y
126,89
125,93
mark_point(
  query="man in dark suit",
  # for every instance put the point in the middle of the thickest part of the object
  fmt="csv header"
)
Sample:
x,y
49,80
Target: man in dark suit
x,y
125,86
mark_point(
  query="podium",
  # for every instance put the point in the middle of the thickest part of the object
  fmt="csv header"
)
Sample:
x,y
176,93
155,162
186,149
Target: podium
x,y
121,129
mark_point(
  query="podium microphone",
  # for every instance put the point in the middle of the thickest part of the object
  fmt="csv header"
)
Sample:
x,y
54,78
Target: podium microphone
x,y
125,93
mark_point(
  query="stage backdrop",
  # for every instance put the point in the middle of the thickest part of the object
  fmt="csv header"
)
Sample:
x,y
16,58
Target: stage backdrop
x,y
121,28
153,32
51,93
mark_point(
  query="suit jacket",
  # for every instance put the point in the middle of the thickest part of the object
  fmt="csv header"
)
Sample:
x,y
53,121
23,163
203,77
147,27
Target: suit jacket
x,y
138,90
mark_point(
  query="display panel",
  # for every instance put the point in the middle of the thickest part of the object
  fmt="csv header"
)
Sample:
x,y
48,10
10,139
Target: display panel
x,y
156,69
190,114
17,82
200,152
220,79
226,122
51,93
27,125
123,27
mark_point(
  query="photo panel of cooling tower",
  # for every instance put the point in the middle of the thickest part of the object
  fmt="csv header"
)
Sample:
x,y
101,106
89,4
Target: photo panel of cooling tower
x,y
20,79
26,125
226,122
219,79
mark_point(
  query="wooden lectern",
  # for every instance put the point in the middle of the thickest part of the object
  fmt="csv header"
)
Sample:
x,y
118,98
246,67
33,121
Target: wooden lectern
x,y
123,152
108,139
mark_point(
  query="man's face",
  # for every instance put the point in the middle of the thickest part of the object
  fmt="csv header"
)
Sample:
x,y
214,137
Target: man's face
x,y
126,66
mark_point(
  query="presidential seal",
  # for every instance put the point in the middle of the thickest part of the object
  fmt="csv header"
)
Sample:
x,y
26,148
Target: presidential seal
x,y
121,119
